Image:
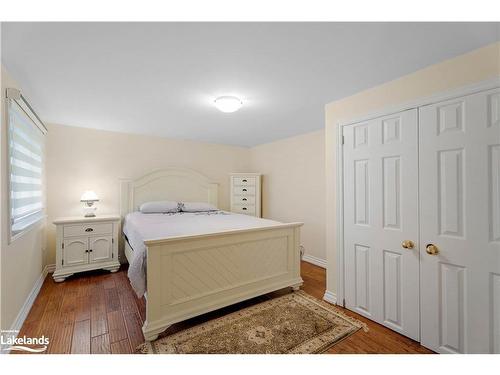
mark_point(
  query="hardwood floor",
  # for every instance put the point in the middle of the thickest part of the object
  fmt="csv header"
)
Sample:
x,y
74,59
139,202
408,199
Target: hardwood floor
x,y
98,312
378,340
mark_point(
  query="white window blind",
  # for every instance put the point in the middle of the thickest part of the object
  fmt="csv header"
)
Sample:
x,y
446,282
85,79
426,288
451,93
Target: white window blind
x,y
26,166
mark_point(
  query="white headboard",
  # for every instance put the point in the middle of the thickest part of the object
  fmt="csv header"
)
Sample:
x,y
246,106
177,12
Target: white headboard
x,y
174,184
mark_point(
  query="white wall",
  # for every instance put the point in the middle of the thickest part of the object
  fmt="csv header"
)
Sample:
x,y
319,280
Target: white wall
x,y
22,261
293,185
80,159
472,67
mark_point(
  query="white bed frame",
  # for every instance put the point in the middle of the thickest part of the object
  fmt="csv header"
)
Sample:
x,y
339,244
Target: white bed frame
x,y
192,275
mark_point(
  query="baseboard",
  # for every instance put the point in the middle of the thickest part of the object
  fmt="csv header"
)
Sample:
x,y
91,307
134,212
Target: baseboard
x,y
25,309
330,297
50,268
313,260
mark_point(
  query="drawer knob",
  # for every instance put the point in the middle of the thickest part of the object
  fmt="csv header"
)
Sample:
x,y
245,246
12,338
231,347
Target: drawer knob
x,y
244,189
89,230
244,199
244,180
244,208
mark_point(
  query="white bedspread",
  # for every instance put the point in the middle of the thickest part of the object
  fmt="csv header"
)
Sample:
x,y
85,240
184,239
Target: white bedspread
x,y
139,227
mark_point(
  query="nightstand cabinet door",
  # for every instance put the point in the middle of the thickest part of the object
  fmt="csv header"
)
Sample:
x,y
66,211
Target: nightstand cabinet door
x,y
101,249
75,251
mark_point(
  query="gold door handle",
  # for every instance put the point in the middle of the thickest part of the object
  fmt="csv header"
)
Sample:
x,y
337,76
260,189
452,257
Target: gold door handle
x,y
432,249
407,244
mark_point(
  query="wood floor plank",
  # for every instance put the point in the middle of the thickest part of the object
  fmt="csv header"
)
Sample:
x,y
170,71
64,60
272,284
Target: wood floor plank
x,y
128,301
98,317
134,329
99,325
82,311
109,282
68,307
121,347
60,342
98,312
112,300
141,306
100,345
116,324
50,316
80,342
38,308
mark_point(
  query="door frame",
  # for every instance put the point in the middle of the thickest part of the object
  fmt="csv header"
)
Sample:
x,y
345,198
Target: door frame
x,y
484,85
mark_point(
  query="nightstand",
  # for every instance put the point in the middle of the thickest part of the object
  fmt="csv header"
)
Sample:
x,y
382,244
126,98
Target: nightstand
x,y
86,243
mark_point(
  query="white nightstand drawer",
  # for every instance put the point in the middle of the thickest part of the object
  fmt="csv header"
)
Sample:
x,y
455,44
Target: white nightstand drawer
x,y
88,229
244,181
244,190
248,209
243,200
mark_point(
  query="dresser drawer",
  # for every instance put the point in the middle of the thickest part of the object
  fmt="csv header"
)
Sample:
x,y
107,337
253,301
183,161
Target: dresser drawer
x,y
247,209
244,190
87,229
244,181
243,200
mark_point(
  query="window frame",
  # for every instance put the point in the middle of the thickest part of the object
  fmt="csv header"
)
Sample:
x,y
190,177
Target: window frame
x,y
14,97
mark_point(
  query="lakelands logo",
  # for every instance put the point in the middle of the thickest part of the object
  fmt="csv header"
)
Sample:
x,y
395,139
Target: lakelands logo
x,y
10,341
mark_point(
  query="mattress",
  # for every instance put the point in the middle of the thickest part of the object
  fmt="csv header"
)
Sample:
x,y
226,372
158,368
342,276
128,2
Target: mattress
x,y
139,227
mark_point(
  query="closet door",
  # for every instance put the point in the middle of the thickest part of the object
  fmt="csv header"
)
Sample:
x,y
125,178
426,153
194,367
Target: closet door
x,y
460,224
381,221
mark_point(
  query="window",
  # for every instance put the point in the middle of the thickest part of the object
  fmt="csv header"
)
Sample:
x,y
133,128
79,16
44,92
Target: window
x,y
26,164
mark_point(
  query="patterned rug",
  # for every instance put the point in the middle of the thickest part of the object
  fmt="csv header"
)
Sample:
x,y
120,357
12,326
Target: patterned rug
x,y
293,323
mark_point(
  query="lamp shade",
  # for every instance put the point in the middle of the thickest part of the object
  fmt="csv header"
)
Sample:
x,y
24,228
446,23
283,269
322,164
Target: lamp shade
x,y
89,196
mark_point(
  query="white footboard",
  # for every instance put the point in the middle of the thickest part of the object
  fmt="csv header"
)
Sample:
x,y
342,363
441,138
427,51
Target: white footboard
x,y
192,275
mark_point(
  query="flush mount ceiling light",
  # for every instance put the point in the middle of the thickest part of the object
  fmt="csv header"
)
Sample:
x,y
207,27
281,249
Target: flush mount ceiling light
x,y
228,104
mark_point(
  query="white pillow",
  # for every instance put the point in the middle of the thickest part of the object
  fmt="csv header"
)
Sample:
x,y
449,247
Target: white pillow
x,y
159,207
197,207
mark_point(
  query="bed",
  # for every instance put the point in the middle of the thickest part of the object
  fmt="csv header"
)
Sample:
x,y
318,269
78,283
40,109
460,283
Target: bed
x,y
202,262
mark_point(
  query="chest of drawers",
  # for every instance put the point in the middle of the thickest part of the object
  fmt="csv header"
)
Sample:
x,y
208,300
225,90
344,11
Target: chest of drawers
x,y
246,193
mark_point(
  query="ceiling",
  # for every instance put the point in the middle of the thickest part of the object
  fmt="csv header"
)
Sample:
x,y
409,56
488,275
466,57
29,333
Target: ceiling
x,y
161,78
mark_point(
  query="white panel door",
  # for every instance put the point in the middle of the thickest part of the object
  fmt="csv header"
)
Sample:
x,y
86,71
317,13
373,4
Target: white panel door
x,y
380,212
75,251
101,249
460,216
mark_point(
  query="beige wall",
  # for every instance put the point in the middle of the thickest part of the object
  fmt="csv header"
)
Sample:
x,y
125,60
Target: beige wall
x,y
293,185
81,159
475,66
22,261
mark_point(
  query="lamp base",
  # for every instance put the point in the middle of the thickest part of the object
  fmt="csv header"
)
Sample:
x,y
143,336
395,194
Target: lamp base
x,y
89,211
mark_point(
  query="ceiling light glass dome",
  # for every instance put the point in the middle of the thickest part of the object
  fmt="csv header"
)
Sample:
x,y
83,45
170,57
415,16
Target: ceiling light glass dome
x,y
228,104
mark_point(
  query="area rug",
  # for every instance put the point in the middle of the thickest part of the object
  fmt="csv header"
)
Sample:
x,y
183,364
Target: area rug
x,y
293,323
